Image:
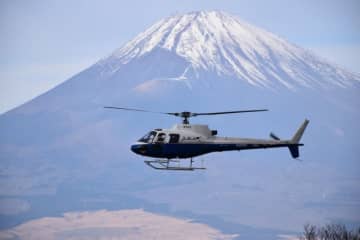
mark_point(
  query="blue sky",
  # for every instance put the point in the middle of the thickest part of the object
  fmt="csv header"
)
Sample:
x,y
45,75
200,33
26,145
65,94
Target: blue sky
x,y
45,42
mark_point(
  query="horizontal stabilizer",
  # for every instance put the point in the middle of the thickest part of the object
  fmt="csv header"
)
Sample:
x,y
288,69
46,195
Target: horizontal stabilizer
x,y
273,136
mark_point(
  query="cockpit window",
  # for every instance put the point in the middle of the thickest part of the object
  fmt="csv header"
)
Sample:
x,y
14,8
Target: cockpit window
x,y
148,138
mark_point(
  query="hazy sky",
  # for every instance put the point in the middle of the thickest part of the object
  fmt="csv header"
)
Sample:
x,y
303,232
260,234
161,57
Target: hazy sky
x,y
45,42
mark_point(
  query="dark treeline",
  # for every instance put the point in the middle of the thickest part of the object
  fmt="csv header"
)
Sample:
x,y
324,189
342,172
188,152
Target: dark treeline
x,y
329,232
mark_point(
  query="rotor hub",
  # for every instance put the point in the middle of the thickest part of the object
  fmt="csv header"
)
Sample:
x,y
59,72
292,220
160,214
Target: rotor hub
x,y
186,116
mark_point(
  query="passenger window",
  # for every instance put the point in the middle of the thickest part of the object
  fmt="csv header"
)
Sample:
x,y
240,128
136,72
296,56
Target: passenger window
x,y
174,138
161,137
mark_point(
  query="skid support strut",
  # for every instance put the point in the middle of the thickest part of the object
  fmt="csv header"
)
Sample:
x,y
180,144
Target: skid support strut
x,y
165,164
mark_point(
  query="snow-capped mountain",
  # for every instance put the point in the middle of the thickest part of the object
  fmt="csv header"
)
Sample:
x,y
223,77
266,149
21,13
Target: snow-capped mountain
x,y
214,41
64,152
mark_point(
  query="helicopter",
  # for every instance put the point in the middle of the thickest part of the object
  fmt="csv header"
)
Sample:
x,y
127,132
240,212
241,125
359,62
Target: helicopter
x,y
186,141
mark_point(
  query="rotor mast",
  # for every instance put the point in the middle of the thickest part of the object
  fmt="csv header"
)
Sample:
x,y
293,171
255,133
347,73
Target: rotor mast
x,y
185,116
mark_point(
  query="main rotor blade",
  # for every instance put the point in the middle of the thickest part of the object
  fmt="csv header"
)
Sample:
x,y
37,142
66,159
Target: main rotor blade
x,y
139,110
229,112
186,115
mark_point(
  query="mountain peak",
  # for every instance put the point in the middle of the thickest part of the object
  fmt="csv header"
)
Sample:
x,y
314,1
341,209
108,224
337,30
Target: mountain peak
x,y
219,42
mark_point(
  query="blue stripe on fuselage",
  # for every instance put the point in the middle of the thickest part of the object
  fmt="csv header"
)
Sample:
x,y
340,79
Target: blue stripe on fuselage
x,y
180,150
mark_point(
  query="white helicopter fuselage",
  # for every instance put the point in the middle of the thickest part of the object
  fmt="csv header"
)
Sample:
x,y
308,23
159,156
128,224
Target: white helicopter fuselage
x,y
191,140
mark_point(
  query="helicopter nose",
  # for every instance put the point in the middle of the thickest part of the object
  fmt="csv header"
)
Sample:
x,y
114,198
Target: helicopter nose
x,y
135,148
138,148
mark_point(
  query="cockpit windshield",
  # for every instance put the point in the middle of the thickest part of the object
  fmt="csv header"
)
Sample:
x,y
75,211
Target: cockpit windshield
x,y
148,138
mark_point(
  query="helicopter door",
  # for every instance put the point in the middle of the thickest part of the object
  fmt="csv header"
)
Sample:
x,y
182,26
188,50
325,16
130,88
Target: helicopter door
x,y
161,138
174,138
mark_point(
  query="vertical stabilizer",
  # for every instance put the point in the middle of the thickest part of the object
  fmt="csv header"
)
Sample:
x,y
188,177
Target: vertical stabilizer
x,y
294,148
296,138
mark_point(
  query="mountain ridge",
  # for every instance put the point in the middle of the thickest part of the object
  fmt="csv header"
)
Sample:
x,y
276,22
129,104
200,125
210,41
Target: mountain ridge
x,y
222,43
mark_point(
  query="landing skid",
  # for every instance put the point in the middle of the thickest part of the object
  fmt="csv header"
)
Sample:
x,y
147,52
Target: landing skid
x,y
166,165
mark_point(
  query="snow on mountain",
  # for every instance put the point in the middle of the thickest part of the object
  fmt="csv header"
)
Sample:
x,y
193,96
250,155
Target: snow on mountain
x,y
214,41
